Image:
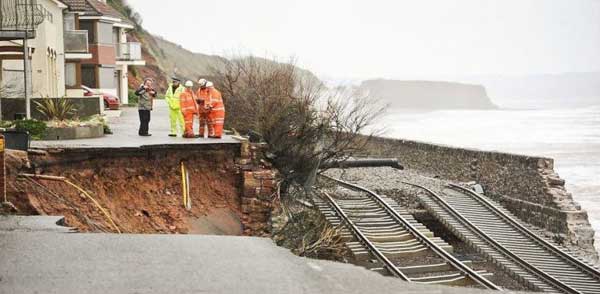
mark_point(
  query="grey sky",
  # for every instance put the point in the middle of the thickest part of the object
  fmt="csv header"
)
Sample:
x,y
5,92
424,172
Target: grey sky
x,y
391,38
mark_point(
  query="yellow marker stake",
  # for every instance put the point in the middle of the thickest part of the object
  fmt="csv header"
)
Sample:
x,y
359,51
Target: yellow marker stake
x,y
183,184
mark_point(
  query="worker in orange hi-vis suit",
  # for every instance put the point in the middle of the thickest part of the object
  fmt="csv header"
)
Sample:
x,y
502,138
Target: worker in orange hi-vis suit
x,y
201,97
216,115
188,109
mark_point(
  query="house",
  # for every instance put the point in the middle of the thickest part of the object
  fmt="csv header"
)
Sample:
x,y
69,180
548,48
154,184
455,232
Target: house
x,y
42,36
69,43
111,53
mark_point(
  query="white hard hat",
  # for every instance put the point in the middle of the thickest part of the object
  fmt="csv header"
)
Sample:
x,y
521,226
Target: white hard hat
x,y
189,84
209,84
202,82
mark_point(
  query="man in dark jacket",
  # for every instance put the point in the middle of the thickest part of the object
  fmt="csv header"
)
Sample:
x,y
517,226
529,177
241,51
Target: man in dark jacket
x,y
146,96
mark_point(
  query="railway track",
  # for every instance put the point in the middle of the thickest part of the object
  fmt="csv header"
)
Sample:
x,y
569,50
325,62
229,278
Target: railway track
x,y
500,237
375,226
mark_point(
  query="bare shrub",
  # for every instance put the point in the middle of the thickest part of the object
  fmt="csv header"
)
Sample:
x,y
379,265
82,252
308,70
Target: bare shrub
x,y
302,121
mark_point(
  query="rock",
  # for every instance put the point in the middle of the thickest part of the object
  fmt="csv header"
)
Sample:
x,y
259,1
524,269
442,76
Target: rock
x,y
555,181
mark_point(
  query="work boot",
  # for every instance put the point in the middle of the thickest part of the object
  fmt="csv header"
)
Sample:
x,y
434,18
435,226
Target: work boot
x,y
172,135
145,135
188,136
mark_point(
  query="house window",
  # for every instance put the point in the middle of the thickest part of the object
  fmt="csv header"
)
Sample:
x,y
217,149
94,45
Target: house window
x,y
89,27
88,76
71,75
69,22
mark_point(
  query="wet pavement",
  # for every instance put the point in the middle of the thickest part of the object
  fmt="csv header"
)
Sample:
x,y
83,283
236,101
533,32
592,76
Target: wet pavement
x,y
39,261
125,133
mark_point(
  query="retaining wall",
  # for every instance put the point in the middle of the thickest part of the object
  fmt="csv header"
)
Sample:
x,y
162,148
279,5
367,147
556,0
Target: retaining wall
x,y
85,106
528,186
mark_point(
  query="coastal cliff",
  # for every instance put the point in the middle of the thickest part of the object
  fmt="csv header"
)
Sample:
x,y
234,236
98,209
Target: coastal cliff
x,y
428,95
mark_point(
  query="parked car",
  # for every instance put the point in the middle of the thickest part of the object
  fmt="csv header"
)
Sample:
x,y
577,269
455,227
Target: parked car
x,y
110,101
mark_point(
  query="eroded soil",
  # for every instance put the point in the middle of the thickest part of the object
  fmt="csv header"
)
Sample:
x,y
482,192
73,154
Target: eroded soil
x,y
141,192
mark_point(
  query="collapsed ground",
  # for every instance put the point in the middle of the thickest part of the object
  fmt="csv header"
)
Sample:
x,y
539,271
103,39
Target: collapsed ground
x,y
141,191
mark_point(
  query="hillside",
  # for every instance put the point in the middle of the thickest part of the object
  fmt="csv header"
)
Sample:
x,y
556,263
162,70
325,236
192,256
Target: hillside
x,y
165,58
429,95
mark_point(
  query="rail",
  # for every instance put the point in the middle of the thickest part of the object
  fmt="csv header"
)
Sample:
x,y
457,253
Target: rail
x,y
363,239
459,217
578,263
466,270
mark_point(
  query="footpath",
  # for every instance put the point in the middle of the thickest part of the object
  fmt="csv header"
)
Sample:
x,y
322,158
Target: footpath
x,y
125,128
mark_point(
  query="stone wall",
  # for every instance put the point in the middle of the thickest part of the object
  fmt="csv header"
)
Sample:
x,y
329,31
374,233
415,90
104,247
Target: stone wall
x,y
525,185
259,189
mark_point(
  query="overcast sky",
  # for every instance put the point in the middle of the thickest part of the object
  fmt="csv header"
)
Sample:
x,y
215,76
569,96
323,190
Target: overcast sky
x,y
391,38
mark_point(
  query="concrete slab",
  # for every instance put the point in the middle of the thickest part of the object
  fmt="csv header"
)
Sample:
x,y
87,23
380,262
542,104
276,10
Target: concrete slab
x,y
107,263
125,133
43,223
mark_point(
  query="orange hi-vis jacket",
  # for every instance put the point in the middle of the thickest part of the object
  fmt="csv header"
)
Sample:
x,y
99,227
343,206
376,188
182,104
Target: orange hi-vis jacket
x,y
187,103
212,98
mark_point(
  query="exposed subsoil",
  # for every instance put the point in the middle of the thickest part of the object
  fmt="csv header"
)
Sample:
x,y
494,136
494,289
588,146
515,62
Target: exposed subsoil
x,y
141,192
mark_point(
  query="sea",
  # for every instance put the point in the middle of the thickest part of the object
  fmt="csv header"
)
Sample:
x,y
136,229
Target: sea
x,y
571,136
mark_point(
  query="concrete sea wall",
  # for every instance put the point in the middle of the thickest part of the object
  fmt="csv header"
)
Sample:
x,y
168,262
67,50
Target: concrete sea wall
x,y
528,186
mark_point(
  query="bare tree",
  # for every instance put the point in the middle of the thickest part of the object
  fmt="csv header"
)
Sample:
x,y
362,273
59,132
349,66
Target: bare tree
x,y
303,122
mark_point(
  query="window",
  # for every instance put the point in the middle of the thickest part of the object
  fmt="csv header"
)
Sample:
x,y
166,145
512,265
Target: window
x,y
105,33
89,27
69,22
71,75
88,75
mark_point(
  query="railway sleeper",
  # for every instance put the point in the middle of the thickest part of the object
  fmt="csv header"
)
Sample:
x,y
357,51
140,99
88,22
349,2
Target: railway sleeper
x,y
429,268
457,279
363,255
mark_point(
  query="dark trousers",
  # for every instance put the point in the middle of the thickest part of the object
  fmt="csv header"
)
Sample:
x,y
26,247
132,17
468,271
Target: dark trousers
x,y
144,121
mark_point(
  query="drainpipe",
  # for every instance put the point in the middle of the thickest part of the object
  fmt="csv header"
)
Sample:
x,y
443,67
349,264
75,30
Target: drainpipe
x,y
25,79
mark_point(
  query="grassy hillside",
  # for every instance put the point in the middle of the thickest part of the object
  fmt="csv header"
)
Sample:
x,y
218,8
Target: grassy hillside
x,y
165,58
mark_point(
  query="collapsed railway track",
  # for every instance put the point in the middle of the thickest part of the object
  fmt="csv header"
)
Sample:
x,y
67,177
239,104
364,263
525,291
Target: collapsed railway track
x,y
499,236
376,226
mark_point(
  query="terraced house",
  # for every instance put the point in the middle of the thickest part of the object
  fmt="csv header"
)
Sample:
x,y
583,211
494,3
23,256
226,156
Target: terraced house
x,y
51,48
111,54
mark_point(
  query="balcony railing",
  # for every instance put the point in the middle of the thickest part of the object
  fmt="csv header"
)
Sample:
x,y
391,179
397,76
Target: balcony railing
x,y
129,51
76,41
21,15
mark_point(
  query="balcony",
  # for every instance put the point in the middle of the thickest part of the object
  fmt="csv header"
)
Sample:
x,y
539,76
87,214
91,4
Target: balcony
x,y
20,18
76,41
130,51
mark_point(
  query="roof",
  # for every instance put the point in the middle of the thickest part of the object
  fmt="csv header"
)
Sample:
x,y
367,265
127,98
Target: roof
x,y
95,8
81,6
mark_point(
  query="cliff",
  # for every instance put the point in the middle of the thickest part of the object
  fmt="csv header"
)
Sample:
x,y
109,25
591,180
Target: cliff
x,y
430,95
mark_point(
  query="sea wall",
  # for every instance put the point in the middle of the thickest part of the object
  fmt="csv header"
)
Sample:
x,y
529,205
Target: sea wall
x,y
528,186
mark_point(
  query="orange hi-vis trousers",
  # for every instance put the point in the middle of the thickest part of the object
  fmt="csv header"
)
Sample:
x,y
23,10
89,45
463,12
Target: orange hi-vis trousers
x,y
202,115
188,109
216,120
